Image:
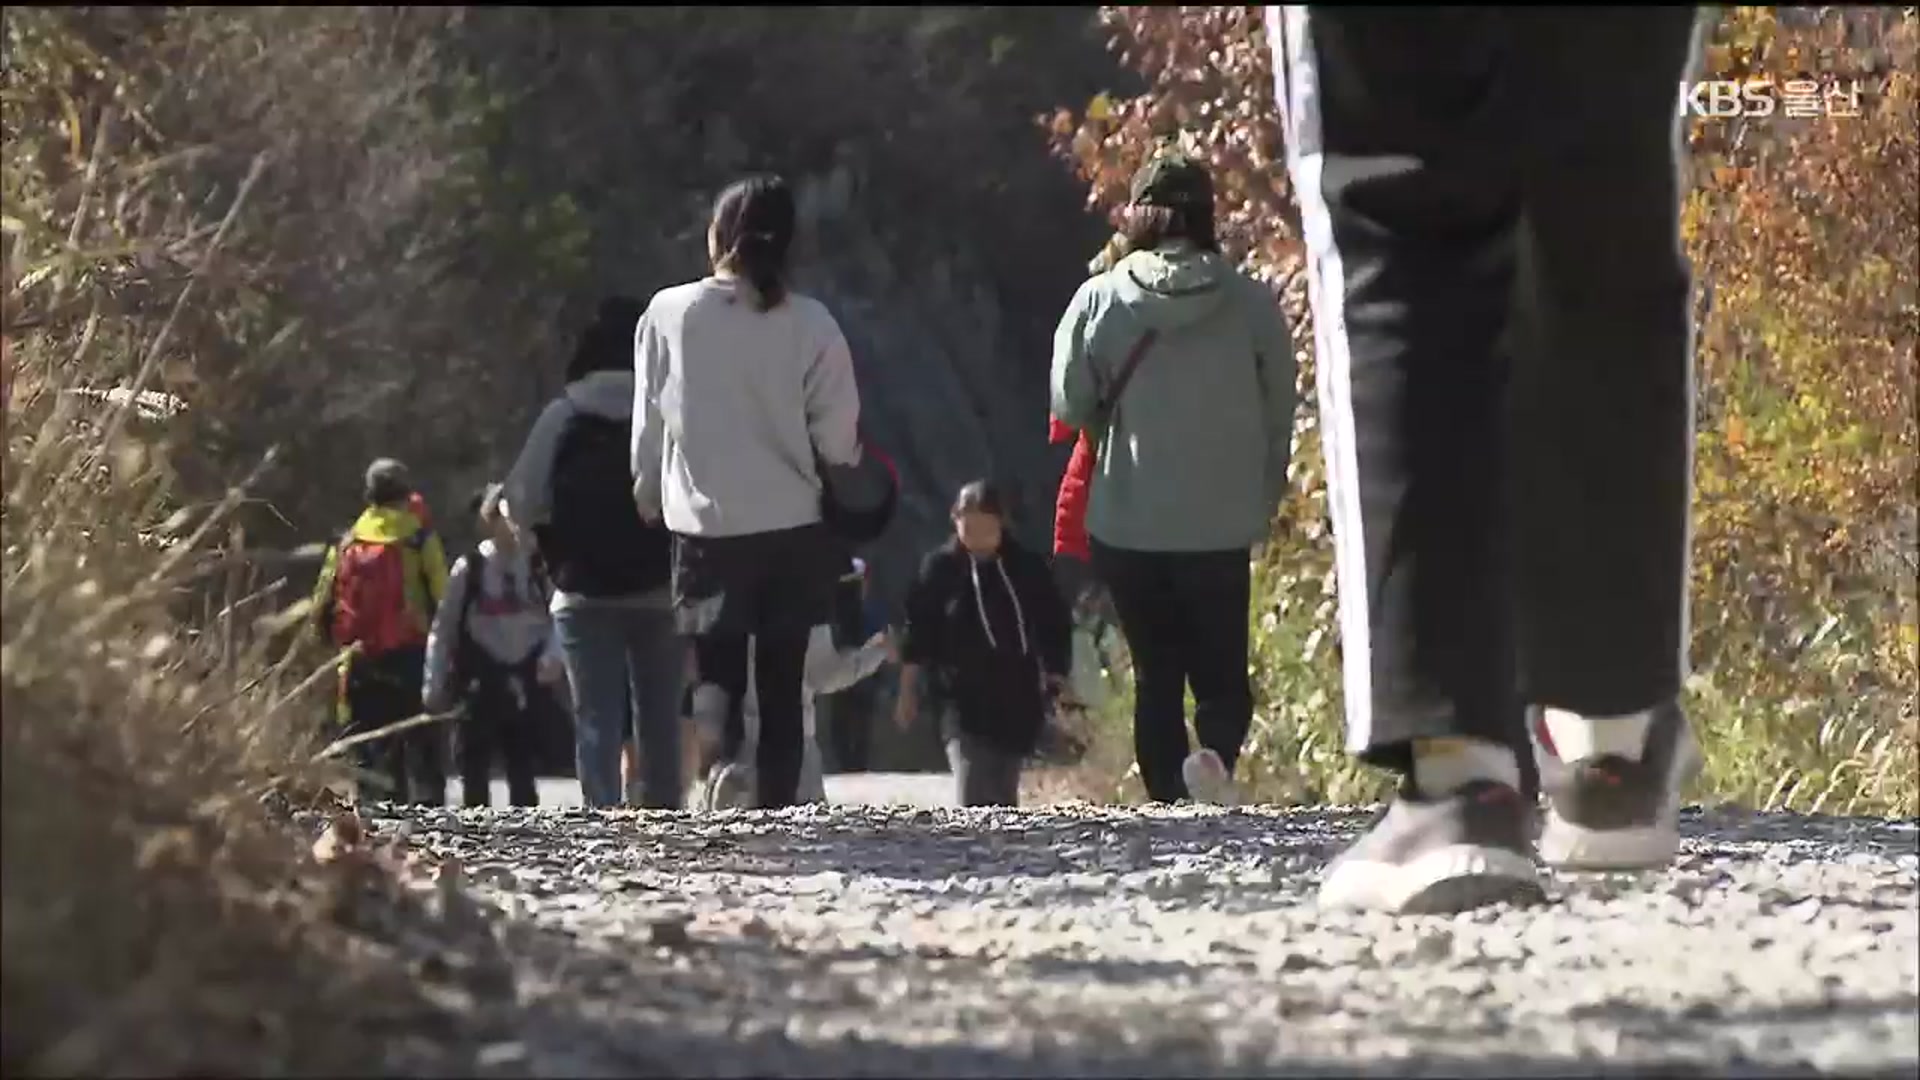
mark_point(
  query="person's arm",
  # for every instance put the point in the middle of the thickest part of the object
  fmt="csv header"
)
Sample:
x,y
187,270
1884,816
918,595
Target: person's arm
x,y
920,636
443,641
1273,355
833,399
906,703
650,363
1075,382
829,670
1052,621
528,487
433,563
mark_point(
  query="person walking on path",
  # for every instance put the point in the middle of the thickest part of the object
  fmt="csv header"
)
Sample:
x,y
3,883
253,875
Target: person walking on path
x,y
1179,371
744,393
378,591
1417,144
988,637
847,717
572,490
829,670
493,650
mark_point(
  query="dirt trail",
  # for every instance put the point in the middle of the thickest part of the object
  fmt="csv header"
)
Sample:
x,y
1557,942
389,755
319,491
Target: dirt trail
x,y
1076,940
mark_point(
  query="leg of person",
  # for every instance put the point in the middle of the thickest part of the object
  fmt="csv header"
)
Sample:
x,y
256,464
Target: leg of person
x,y
1150,620
425,746
419,776
1399,143
474,738
366,708
983,774
1216,588
854,725
719,696
849,718
1006,778
630,762
427,763
794,594
716,586
519,734
1607,418
813,774
656,658
596,661
779,667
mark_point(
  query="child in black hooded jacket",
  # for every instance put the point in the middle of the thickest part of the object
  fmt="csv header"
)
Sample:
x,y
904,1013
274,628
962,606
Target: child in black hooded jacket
x,y
989,629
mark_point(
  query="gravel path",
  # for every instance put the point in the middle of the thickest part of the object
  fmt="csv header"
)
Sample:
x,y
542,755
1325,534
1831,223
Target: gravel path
x,y
1078,940
926,790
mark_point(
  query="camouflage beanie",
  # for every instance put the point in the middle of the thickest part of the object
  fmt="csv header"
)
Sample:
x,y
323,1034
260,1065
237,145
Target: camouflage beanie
x,y
1174,181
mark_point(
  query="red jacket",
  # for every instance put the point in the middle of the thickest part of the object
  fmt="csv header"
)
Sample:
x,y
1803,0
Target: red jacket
x,y
1070,506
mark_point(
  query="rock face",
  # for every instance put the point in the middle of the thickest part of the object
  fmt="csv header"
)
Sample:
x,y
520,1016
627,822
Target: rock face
x,y
1083,941
933,222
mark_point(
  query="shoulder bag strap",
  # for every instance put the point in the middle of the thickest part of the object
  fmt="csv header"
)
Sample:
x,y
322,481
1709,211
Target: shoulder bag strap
x,y
1111,402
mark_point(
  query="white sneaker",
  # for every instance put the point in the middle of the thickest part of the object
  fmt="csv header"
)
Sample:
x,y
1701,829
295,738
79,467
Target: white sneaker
x,y
1611,813
732,787
1208,780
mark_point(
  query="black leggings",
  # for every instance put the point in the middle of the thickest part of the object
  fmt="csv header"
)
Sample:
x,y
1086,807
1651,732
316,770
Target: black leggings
x,y
779,663
1184,615
405,767
500,721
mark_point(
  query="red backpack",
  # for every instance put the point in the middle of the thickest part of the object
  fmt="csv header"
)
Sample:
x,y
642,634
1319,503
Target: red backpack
x,y
370,595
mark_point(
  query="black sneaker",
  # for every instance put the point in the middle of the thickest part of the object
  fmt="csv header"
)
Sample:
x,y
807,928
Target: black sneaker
x,y
1612,813
1440,855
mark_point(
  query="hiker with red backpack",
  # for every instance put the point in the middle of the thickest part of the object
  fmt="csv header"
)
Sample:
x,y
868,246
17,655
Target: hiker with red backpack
x,y
378,592
1179,373
493,651
612,606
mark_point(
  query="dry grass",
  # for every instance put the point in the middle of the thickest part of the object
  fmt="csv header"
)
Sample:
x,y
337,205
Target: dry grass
x,y
154,918
1857,754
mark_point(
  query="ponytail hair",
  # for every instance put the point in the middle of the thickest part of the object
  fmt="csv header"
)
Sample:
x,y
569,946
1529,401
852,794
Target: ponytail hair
x,y
753,235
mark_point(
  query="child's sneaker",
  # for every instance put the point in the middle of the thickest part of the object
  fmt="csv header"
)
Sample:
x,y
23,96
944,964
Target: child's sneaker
x,y
1208,780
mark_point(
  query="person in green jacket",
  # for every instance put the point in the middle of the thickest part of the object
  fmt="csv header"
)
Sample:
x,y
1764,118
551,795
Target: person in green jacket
x,y
1182,368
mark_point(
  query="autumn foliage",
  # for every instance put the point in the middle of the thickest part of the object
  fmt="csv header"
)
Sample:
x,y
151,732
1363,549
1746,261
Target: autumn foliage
x,y
1803,232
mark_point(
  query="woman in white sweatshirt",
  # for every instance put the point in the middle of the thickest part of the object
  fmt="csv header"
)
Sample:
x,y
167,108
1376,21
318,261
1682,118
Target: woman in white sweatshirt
x,y
742,388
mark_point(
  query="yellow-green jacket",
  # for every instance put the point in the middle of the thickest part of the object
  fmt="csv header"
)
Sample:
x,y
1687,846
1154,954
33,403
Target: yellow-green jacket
x,y
423,561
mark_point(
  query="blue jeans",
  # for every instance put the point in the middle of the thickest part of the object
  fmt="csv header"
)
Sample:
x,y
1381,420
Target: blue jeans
x,y
615,656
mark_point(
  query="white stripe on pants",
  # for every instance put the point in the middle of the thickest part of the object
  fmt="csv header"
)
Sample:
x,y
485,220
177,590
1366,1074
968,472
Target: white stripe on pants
x,y
1296,93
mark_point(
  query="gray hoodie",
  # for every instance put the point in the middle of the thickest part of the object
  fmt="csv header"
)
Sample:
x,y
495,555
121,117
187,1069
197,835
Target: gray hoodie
x,y
528,487
1194,456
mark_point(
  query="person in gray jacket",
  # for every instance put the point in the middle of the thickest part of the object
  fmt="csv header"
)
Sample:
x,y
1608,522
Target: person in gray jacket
x,y
493,649
573,490
1182,369
744,392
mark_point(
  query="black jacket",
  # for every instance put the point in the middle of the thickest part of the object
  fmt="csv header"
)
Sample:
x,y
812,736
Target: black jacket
x,y
989,669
